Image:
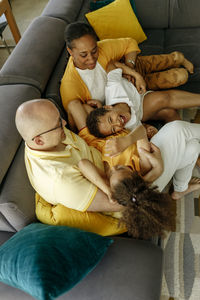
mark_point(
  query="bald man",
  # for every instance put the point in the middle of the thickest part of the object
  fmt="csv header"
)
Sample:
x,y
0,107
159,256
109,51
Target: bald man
x,y
52,153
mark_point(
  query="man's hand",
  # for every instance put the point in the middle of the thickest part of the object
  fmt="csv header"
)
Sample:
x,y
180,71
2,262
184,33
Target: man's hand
x,y
155,159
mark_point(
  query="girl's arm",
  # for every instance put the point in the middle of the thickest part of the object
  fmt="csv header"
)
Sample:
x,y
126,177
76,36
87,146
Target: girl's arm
x,y
95,175
116,145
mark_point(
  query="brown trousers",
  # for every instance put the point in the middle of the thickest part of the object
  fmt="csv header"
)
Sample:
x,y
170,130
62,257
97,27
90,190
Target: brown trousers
x,y
162,71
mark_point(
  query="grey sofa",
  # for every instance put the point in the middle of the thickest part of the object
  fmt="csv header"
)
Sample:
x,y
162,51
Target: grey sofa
x,y
131,269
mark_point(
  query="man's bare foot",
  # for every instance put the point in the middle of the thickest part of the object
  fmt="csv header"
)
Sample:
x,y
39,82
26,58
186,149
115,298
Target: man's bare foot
x,y
193,185
188,65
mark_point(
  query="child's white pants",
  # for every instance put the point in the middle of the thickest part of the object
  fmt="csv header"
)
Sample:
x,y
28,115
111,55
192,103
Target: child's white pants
x,y
179,143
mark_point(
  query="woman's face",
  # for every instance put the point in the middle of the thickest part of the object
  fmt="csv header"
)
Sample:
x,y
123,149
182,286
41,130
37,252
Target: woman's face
x,y
118,173
84,52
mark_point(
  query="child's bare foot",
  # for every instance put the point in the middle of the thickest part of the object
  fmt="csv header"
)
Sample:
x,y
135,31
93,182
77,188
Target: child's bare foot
x,y
193,185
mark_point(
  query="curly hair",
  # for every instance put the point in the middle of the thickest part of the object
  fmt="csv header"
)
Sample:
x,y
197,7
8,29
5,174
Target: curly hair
x,y
147,213
76,30
92,121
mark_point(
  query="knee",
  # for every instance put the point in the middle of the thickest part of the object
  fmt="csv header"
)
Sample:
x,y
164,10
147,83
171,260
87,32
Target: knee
x,y
162,98
72,105
193,148
181,76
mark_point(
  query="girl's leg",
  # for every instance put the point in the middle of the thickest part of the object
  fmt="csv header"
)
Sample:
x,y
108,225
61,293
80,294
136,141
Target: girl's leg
x,y
183,175
172,139
154,102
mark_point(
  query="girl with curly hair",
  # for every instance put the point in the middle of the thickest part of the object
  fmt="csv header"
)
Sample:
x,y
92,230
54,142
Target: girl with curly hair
x,y
147,212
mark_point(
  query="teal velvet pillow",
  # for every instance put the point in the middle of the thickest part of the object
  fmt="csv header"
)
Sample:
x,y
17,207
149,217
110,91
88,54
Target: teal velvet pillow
x,y
46,261
94,5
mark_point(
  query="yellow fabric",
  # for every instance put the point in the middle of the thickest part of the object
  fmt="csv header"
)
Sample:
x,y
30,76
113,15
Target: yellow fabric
x,y
89,221
129,157
56,177
72,86
116,20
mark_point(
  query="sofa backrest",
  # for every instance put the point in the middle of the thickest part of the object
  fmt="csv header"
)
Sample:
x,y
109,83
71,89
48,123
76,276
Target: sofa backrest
x,y
184,13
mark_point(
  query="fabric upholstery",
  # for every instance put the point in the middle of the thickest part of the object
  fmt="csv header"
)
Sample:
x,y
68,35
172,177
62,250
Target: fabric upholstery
x,y
62,9
17,203
119,21
46,261
9,138
184,14
153,14
32,55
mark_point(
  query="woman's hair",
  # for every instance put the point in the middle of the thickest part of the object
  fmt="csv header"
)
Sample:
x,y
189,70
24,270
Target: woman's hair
x,y
76,30
147,213
92,121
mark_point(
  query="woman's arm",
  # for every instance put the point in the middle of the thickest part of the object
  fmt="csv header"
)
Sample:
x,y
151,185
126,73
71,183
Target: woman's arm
x,y
79,111
139,81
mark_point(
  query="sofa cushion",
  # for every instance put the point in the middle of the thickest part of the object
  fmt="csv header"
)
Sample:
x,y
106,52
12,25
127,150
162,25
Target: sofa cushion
x,y
153,14
37,51
186,40
155,43
94,5
52,90
62,9
184,14
11,96
46,261
17,204
119,21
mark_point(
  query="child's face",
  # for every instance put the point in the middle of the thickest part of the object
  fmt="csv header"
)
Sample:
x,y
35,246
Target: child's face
x,y
118,173
113,121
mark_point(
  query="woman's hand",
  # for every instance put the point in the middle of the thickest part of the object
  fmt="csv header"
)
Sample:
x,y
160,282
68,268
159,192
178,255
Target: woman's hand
x,y
140,84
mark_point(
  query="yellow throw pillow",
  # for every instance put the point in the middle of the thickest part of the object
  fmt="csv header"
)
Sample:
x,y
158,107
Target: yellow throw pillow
x,y
89,221
116,20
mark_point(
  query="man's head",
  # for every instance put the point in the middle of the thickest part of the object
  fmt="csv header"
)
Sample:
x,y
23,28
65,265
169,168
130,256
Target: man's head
x,y
107,120
39,123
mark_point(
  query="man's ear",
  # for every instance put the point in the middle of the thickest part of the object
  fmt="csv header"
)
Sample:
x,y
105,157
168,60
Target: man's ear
x,y
38,141
70,51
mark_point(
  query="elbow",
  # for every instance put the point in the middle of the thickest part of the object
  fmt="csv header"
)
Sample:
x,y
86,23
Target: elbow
x,y
72,105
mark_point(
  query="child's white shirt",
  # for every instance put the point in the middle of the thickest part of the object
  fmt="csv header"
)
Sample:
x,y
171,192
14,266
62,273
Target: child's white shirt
x,y
120,90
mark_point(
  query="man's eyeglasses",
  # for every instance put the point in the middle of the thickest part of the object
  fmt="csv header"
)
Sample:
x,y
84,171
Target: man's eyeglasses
x,y
60,126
